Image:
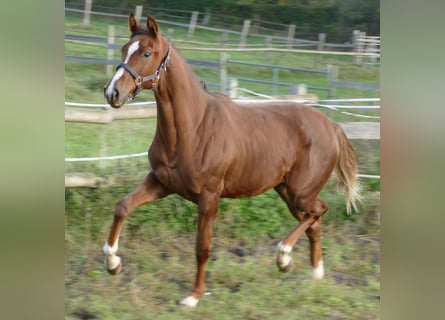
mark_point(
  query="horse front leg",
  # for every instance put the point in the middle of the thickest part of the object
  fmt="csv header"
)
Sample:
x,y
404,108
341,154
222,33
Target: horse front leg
x,y
208,211
149,190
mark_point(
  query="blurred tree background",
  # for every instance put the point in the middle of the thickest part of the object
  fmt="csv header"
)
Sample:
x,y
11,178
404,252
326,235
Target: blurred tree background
x,y
336,18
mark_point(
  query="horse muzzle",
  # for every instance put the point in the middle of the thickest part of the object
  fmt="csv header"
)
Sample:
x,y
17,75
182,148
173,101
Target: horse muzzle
x,y
114,97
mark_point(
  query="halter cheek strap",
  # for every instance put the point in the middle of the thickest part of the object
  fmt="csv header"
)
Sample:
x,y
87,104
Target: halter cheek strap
x,y
138,80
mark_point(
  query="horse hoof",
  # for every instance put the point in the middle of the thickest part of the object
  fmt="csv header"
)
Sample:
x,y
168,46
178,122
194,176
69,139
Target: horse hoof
x,y
116,270
190,301
284,268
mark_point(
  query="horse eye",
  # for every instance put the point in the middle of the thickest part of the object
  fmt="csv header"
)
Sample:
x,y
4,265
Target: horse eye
x,y
147,54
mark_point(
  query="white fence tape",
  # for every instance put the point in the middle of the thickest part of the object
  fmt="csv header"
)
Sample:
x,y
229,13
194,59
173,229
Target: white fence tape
x,y
352,100
333,107
106,105
349,107
368,176
134,155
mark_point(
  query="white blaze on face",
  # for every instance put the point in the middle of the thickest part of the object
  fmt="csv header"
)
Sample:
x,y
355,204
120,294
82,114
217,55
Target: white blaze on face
x,y
120,72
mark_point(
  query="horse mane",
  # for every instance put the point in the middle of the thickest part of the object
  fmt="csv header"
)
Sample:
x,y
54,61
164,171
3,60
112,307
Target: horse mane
x,y
200,83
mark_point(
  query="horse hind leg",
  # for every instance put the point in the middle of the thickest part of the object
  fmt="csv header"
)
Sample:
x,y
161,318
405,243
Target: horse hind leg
x,y
309,223
284,260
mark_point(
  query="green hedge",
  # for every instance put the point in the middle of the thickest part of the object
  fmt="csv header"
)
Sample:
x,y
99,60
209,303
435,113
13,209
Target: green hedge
x,y
337,19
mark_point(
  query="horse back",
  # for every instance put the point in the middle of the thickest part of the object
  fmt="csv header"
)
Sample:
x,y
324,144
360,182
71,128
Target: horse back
x,y
266,141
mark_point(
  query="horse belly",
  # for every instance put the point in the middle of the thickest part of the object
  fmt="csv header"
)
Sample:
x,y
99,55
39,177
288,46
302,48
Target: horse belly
x,y
254,179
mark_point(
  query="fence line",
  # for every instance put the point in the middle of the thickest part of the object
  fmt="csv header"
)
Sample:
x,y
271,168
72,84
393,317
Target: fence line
x,y
331,71
90,180
360,42
109,115
267,99
124,156
369,176
351,100
85,40
266,49
106,105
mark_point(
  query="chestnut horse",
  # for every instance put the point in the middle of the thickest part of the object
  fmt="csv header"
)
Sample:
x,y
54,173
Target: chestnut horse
x,y
207,147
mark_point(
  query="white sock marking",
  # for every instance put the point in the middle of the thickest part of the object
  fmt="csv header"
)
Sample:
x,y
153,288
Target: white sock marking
x,y
111,259
110,251
318,272
190,301
284,258
284,249
120,72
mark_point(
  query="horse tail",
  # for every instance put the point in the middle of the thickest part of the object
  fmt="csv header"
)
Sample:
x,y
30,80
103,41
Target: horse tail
x,y
346,171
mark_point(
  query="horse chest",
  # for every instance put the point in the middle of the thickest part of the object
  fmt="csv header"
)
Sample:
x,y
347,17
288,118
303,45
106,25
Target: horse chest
x,y
178,180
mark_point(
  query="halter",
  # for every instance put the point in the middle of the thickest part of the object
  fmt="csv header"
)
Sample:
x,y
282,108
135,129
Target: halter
x,y
138,80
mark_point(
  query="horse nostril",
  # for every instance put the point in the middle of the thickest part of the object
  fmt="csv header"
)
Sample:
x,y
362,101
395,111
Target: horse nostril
x,y
111,94
115,94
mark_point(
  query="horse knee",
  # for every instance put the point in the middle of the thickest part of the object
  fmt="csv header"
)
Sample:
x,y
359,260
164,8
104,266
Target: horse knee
x,y
121,210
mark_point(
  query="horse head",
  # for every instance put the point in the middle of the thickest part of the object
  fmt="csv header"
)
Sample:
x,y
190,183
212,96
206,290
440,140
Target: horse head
x,y
144,57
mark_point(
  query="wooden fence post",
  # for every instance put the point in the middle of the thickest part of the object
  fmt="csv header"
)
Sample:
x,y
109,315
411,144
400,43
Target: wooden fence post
x,y
207,15
268,45
110,51
244,33
361,46
275,79
224,39
332,78
223,72
192,24
372,48
301,89
87,12
320,47
170,32
355,44
233,86
290,35
138,13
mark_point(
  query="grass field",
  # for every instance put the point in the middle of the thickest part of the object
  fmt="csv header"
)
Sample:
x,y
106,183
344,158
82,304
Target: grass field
x,y
157,249
157,242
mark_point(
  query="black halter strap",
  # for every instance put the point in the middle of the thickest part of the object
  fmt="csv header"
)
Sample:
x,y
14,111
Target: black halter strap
x,y
140,80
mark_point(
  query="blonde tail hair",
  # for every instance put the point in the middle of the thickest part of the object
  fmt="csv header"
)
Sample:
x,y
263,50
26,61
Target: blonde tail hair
x,y
346,171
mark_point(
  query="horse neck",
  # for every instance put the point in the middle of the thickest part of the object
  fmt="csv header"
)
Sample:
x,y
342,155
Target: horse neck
x,y
181,104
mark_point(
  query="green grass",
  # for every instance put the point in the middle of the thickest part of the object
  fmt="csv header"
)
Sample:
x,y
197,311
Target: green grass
x,y
157,241
157,246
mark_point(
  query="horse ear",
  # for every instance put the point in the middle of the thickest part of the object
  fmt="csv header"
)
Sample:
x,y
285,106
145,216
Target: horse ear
x,y
133,23
152,26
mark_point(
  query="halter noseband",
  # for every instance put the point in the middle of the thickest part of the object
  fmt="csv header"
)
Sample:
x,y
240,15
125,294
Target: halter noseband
x,y
138,80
